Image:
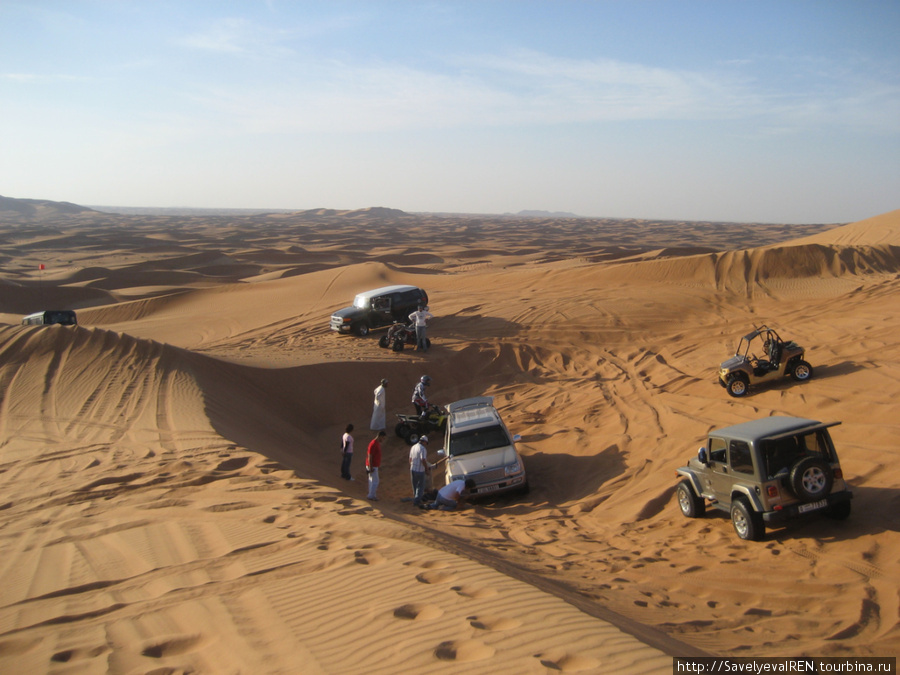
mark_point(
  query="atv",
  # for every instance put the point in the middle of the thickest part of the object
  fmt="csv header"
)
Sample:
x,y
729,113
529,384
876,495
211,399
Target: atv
x,y
398,335
779,359
411,427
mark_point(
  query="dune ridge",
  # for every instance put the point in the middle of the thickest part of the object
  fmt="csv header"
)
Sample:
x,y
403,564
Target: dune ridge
x,y
169,467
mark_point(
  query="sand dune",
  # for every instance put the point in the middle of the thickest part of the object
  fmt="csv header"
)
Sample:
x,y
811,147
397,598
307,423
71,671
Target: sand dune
x,y
171,496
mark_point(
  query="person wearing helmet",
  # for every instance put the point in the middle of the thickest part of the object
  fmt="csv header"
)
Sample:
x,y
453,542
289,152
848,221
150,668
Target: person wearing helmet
x,y
419,398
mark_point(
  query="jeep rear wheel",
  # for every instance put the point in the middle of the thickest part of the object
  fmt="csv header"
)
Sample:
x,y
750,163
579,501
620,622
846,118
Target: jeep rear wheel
x,y
801,371
747,523
737,386
839,511
811,478
692,505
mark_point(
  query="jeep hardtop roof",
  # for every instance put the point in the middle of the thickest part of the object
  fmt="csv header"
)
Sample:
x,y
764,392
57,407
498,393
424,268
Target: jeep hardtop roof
x,y
473,412
769,427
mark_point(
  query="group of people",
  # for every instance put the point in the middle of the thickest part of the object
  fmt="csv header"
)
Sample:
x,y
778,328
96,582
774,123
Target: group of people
x,y
447,498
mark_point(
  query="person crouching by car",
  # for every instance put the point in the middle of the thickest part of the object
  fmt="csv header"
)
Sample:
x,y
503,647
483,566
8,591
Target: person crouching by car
x,y
452,495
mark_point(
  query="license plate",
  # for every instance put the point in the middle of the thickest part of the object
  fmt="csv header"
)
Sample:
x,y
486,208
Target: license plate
x,y
488,488
813,506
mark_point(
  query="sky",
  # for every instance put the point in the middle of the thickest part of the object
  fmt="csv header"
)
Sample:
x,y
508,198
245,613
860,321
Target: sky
x,y
781,111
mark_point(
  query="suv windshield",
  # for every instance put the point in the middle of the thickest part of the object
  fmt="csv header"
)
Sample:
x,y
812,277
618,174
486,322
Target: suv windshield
x,y
476,440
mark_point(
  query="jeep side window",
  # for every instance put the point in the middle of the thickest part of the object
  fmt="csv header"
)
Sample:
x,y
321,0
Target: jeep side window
x,y
740,458
816,443
717,450
381,304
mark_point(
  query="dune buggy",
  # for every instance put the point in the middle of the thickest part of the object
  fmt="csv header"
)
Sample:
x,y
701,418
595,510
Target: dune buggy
x,y
399,335
778,359
411,427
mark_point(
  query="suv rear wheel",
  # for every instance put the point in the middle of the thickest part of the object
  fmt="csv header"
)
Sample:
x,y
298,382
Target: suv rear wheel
x,y
747,523
691,504
811,478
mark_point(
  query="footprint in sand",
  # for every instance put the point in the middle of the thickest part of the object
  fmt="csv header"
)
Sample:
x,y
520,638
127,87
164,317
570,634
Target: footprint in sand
x,y
476,592
233,464
79,654
430,564
177,644
463,650
417,612
493,622
567,662
369,557
435,576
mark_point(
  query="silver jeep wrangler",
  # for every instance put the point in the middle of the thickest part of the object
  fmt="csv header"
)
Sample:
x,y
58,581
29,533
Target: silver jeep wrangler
x,y
765,472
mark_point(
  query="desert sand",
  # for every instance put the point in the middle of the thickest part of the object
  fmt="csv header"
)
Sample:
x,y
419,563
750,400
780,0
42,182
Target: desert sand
x,y
171,499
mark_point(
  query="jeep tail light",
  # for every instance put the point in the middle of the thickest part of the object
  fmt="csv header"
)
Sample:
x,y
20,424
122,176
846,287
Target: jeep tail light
x,y
772,491
838,473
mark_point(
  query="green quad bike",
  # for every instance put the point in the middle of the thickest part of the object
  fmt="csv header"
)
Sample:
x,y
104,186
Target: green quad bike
x,y
779,359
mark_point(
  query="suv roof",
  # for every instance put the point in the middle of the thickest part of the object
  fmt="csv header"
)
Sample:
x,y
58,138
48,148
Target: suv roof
x,y
473,412
768,427
387,289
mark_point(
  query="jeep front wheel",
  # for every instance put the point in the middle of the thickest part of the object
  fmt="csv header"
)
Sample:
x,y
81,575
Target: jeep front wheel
x,y
801,371
811,478
692,505
737,386
362,329
747,523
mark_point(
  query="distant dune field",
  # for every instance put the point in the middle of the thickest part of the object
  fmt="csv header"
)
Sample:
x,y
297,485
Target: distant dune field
x,y
170,498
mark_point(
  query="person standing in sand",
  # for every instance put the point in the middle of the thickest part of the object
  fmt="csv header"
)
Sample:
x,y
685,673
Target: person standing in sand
x,y
418,468
346,452
373,464
420,318
378,409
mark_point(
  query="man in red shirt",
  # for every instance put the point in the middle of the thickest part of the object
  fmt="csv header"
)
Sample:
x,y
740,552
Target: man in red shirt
x,y
373,463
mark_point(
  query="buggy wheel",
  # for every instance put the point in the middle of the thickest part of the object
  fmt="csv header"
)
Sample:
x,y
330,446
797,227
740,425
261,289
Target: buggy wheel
x,y
801,371
384,342
691,504
413,437
402,430
397,345
747,523
737,386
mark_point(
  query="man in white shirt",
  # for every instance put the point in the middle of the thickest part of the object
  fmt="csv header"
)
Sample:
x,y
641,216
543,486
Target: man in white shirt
x,y
418,468
452,495
420,317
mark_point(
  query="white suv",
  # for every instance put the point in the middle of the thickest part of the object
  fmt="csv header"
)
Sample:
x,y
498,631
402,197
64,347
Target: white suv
x,y
478,445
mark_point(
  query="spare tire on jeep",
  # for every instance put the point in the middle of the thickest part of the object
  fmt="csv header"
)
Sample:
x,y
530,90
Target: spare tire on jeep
x,y
810,479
